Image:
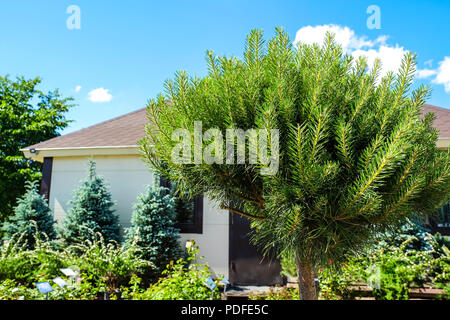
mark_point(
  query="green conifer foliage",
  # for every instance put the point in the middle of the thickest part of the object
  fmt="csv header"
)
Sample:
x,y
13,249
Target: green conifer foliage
x,y
355,154
32,216
184,206
153,227
91,208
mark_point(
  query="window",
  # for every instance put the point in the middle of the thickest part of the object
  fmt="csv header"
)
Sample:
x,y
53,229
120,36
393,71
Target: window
x,y
440,221
189,212
443,216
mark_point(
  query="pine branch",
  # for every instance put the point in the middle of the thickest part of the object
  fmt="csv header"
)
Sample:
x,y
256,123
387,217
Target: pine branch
x,y
241,213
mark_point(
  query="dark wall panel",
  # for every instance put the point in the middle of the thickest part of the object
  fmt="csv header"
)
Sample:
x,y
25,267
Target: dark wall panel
x,y
47,168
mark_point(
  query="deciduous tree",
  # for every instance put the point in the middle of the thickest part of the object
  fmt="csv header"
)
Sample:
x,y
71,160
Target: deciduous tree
x,y
27,116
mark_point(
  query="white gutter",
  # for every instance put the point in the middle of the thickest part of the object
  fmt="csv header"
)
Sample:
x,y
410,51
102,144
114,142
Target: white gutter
x,y
41,153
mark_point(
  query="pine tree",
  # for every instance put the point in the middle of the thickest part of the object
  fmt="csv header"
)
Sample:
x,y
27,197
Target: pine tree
x,y
153,229
32,216
92,209
355,157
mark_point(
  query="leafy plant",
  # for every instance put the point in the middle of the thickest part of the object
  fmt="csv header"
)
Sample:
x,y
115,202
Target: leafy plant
x,y
27,116
391,272
102,267
107,263
81,290
348,153
446,288
183,280
283,293
289,267
13,290
20,263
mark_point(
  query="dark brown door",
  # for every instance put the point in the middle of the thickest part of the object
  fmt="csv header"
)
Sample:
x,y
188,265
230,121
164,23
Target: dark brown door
x,y
247,265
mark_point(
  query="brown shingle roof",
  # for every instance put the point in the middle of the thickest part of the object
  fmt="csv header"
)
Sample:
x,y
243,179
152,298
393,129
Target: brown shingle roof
x,y
128,129
122,131
442,121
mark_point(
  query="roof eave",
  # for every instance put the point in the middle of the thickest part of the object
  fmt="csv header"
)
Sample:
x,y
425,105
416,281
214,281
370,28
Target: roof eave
x,y
40,153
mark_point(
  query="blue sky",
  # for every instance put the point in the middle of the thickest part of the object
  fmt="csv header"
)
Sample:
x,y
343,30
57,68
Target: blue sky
x,y
125,50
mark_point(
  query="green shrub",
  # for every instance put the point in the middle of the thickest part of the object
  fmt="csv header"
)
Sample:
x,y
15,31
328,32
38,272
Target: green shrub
x,y
20,263
410,229
390,271
107,263
13,290
153,230
91,208
336,283
31,215
103,267
446,288
183,280
405,257
80,290
284,293
289,268
85,288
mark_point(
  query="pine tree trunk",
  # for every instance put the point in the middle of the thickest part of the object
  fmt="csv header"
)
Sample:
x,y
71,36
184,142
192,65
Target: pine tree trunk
x,y
306,283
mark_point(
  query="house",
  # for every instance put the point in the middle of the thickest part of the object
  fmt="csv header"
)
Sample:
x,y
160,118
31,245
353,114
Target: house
x,y
113,146
442,123
221,236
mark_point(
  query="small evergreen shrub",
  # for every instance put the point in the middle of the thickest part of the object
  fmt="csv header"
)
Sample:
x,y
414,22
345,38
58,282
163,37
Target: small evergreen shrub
x,y
91,210
408,230
32,216
153,227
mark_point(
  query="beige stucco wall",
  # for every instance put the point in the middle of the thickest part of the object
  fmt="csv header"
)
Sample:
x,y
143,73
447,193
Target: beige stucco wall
x,y
127,176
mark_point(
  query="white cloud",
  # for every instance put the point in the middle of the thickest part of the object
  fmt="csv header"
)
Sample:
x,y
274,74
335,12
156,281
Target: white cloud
x,y
345,36
443,74
390,56
425,73
99,95
77,88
